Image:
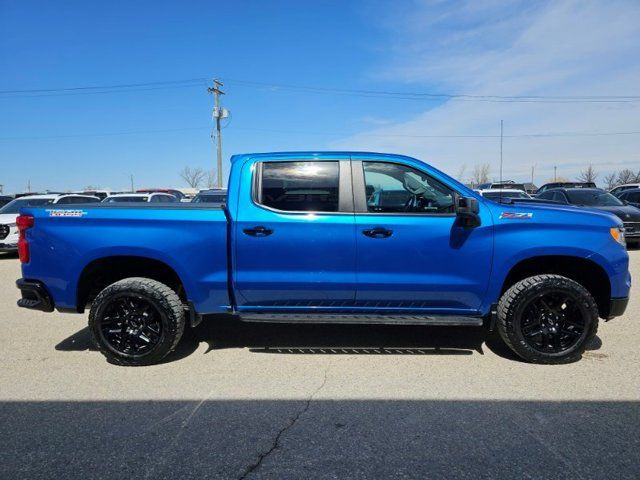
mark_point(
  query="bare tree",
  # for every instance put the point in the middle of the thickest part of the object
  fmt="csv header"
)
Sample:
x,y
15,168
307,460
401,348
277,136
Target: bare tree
x,y
558,178
626,176
193,176
480,174
461,172
611,180
588,175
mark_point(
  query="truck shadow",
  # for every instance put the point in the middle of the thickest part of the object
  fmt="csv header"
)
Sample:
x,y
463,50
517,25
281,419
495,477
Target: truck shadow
x,y
312,339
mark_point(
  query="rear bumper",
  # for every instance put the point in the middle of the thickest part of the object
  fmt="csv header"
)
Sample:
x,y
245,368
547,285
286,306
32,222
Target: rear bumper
x,y
617,306
34,295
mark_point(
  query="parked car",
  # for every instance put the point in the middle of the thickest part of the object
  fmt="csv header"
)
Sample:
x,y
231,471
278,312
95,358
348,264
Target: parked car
x,y
497,194
549,186
621,188
631,196
140,198
9,213
303,240
4,199
212,195
510,184
101,194
601,200
176,193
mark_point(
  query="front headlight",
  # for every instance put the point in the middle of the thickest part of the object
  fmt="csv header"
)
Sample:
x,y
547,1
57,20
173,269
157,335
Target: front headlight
x,y
618,235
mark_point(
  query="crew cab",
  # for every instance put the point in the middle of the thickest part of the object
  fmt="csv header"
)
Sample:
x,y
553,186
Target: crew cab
x,y
329,237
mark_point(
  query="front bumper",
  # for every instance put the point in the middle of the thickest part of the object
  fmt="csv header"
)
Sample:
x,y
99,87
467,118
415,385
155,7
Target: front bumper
x,y
8,247
34,295
617,306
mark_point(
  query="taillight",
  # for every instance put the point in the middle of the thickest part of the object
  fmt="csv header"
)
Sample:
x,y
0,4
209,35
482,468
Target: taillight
x,y
23,222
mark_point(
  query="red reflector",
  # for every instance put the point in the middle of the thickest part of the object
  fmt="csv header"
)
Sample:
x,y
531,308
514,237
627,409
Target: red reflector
x,y
23,222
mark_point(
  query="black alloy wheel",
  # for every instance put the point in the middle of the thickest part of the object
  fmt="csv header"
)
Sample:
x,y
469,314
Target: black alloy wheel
x,y
553,322
131,325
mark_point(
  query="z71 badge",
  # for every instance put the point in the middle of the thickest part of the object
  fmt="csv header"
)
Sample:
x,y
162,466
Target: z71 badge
x,y
516,215
66,213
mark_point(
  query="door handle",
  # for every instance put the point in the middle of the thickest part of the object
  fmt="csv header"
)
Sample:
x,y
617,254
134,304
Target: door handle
x,y
259,231
377,232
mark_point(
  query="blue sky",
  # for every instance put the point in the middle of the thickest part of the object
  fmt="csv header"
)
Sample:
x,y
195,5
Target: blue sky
x,y
69,140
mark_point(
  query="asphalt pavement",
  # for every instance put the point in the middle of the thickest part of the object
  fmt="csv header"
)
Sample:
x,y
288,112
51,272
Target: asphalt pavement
x,y
310,401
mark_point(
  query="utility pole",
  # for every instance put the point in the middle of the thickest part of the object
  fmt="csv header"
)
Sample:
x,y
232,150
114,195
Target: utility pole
x,y
533,167
555,171
28,186
501,136
131,178
217,114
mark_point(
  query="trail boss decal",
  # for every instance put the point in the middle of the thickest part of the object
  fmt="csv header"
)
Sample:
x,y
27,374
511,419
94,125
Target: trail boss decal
x,y
516,215
66,213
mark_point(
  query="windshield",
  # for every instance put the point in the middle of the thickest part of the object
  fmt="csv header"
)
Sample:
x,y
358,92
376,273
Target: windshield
x,y
125,199
498,195
593,198
15,205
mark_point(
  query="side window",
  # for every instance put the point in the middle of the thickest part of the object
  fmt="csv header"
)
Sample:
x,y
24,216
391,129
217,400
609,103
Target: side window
x,y
401,189
155,199
559,197
300,186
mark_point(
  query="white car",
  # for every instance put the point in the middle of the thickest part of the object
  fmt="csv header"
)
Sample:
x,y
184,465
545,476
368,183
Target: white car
x,y
9,213
141,197
621,188
497,193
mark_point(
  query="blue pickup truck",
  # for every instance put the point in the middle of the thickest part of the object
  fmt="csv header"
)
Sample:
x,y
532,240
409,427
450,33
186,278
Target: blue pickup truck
x,y
329,237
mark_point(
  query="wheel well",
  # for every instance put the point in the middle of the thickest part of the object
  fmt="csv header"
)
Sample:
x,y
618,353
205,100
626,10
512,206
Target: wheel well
x,y
105,271
586,272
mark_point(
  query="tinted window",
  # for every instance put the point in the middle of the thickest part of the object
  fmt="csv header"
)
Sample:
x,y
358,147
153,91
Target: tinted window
x,y
214,198
499,195
559,197
593,198
545,195
70,200
125,199
163,198
300,186
16,205
398,188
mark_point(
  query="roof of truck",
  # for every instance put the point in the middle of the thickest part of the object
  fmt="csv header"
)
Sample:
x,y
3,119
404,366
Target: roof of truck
x,y
319,154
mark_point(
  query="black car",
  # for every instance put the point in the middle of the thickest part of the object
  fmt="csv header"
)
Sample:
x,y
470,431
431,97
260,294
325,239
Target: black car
x,y
549,186
213,195
4,199
631,196
602,200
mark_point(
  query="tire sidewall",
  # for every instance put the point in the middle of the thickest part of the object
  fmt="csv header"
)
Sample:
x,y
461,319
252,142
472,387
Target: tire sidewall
x,y
510,327
117,290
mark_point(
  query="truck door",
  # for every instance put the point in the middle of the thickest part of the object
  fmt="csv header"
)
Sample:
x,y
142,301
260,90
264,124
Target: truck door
x,y
412,251
294,236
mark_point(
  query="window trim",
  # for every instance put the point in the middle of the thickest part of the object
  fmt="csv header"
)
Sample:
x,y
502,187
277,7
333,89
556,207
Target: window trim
x,y
360,195
345,195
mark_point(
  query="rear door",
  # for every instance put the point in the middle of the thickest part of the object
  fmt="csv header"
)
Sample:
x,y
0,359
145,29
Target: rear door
x,y
413,253
295,238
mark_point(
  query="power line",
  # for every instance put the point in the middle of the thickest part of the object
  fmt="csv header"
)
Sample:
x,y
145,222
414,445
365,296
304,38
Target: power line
x,y
398,95
297,132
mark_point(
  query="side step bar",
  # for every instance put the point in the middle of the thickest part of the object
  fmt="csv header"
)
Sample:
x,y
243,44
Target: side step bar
x,y
361,318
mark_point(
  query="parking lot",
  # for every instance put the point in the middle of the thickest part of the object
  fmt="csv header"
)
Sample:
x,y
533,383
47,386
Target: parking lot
x,y
295,401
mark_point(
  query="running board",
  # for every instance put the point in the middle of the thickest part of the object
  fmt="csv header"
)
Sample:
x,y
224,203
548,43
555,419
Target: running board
x,y
439,320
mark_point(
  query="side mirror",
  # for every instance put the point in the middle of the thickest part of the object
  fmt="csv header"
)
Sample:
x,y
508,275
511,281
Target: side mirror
x,y
467,210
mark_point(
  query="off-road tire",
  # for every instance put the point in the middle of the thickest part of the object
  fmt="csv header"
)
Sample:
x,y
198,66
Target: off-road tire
x,y
163,298
515,299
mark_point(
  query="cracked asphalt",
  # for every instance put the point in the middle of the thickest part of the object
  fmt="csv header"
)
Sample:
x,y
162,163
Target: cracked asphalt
x,y
246,401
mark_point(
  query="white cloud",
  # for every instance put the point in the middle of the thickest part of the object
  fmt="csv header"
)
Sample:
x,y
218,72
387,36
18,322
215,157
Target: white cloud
x,y
559,48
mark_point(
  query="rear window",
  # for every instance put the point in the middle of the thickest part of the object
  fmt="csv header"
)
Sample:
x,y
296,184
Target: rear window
x,y
126,199
210,199
16,205
499,195
300,186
